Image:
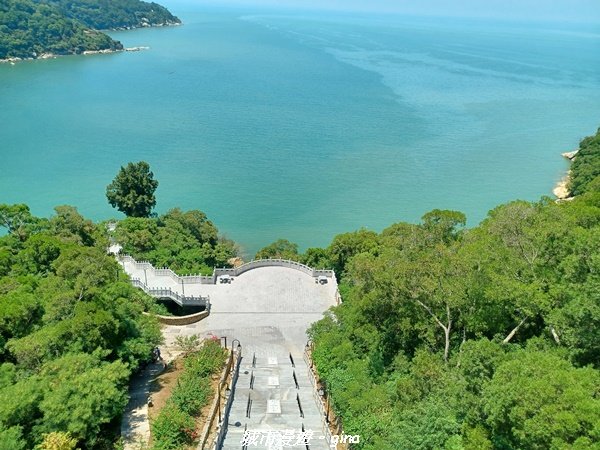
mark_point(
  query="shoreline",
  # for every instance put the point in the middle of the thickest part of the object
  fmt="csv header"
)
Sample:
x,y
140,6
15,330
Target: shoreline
x,y
143,25
13,61
561,191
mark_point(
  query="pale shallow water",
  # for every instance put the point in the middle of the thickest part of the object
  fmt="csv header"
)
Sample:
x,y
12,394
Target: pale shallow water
x,y
305,127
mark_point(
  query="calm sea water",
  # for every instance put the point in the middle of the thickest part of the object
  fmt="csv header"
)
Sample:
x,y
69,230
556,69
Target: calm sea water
x,y
305,127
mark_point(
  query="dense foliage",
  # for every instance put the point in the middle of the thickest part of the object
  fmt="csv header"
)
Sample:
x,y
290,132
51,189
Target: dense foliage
x,y
585,172
483,338
186,242
280,249
113,14
29,29
132,190
174,427
71,331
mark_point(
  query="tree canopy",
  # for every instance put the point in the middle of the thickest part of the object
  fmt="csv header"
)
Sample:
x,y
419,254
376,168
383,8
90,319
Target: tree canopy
x,y
186,242
71,332
132,190
114,14
282,249
469,339
585,173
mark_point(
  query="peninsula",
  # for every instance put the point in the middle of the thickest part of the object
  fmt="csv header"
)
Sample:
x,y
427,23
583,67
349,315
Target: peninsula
x,y
31,29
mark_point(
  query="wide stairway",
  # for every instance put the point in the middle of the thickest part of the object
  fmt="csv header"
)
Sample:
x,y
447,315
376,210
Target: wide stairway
x,y
274,393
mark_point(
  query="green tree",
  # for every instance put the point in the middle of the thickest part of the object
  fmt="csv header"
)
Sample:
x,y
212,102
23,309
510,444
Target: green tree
x,y
585,173
94,394
345,246
132,190
11,439
186,242
539,401
68,223
317,258
280,249
17,219
444,225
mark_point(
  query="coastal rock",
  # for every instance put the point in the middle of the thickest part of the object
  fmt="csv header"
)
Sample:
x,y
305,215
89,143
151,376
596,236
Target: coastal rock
x,y
10,60
96,52
235,262
561,190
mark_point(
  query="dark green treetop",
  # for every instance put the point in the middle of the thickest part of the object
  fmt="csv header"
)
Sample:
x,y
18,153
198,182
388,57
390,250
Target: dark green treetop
x,y
114,14
282,248
132,190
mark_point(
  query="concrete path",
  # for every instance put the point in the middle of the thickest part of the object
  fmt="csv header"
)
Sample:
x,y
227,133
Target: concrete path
x,y
269,310
135,427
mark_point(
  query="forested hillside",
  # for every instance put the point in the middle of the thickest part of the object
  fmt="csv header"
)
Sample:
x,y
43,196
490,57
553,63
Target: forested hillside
x,y
585,173
28,30
71,331
113,14
474,339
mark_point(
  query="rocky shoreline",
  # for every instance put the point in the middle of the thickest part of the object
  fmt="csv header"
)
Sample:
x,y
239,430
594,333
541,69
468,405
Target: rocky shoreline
x,y
145,24
13,61
561,190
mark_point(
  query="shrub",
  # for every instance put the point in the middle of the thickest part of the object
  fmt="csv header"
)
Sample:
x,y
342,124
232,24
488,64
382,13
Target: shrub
x,y
188,344
191,394
172,428
58,440
207,361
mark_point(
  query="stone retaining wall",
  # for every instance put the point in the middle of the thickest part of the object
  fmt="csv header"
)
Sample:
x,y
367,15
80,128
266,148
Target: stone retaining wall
x,y
181,320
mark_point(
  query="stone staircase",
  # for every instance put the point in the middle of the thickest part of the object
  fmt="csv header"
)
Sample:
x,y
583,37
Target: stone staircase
x,y
267,399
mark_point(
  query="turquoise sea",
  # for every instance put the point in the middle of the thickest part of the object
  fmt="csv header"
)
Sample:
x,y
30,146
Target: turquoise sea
x,y
304,126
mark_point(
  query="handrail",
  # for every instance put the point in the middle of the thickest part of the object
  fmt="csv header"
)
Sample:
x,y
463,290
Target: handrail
x,y
318,400
177,280
212,279
305,439
244,445
227,409
299,405
248,406
182,300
